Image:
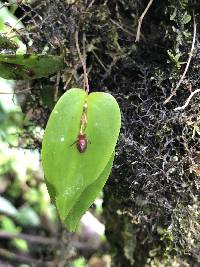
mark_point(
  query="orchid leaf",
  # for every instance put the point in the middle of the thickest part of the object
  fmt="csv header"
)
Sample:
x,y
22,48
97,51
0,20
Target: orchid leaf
x,y
74,179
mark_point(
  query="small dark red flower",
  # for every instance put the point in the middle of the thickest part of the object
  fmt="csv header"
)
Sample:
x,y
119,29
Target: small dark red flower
x,y
81,143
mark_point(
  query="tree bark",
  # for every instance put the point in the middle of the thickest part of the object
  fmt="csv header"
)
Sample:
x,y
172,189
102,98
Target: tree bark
x,y
151,201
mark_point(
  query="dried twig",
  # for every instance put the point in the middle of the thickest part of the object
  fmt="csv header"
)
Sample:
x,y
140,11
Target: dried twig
x,y
90,5
16,258
99,60
141,19
187,65
6,5
187,101
123,29
29,238
20,19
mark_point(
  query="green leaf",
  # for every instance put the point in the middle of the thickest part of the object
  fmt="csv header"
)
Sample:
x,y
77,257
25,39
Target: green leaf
x,y
81,262
69,174
28,66
186,18
20,244
8,225
87,197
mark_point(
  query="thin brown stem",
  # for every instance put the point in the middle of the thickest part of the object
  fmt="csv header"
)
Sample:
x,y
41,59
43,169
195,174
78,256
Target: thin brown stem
x,y
86,83
141,19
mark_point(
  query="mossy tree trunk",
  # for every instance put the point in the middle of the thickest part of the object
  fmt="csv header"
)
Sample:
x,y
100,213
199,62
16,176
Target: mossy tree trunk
x,y
151,203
